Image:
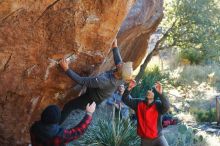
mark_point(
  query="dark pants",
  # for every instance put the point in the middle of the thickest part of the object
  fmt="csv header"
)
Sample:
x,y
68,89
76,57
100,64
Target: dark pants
x,y
160,141
76,103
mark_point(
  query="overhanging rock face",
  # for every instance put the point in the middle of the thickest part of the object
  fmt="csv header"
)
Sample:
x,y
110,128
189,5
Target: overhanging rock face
x,y
35,34
134,34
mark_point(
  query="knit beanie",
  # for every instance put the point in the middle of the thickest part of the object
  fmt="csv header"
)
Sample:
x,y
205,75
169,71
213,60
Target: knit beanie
x,y
127,71
51,115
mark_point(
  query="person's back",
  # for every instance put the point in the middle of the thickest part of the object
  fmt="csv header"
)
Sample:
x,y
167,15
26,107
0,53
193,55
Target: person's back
x,y
47,132
109,85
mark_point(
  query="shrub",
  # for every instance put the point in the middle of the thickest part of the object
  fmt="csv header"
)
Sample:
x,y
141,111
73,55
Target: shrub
x,y
203,109
200,74
151,76
194,56
205,115
115,132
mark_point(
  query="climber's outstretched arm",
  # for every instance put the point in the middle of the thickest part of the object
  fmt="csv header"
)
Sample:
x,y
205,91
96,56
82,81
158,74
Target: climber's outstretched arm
x,y
116,53
92,82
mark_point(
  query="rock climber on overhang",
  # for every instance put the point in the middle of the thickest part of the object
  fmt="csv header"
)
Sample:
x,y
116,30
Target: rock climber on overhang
x,y
99,87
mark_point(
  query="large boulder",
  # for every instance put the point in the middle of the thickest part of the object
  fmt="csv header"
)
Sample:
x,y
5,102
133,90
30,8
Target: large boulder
x,y
35,34
135,32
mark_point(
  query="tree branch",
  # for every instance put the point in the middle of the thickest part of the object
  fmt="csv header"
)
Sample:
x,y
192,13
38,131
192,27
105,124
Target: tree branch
x,y
153,52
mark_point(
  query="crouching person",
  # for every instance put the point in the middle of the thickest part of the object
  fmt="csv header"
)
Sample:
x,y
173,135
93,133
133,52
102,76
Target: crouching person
x,y
47,131
149,114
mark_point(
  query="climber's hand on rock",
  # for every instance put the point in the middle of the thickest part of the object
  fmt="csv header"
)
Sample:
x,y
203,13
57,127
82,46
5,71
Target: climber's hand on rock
x,y
90,108
115,44
64,64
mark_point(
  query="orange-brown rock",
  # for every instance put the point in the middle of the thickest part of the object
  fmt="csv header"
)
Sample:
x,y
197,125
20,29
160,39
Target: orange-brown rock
x,y
36,33
136,30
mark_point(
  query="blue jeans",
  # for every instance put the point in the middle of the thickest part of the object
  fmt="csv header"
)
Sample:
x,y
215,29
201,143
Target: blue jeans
x,y
124,113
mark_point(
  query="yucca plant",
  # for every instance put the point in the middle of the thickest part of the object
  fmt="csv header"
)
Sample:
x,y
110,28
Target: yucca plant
x,y
115,132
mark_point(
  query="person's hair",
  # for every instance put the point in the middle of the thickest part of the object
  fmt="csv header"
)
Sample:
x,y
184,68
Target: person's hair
x,y
122,85
51,115
156,96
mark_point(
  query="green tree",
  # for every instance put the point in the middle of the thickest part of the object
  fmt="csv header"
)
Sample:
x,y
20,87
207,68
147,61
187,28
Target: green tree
x,y
193,25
